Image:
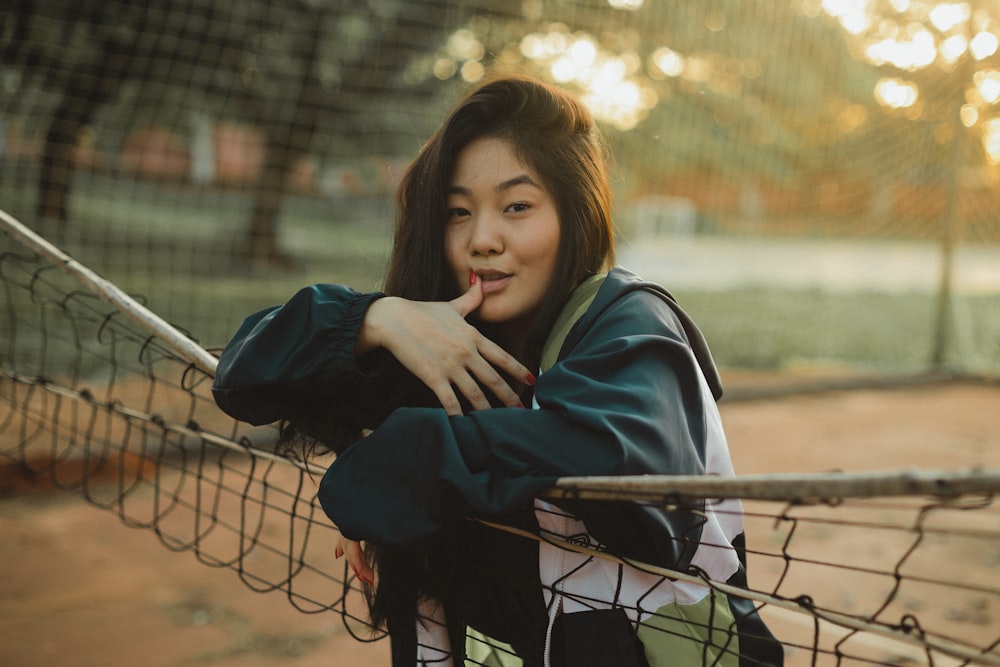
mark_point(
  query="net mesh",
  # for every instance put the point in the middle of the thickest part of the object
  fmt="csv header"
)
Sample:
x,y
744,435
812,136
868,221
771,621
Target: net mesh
x,y
95,403
816,181
817,161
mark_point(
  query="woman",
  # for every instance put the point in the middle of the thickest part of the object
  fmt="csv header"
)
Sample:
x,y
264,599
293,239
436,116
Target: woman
x,y
502,270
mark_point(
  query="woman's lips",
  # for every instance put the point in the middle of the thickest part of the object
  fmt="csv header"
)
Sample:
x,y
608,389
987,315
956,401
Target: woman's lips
x,y
494,282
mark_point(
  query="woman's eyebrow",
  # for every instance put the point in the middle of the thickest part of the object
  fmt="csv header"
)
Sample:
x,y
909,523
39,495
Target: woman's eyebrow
x,y
523,179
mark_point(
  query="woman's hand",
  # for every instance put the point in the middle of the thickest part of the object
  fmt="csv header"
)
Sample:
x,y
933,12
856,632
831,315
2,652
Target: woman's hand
x,y
355,558
449,355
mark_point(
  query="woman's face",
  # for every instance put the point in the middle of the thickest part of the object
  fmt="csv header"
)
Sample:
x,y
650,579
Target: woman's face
x,y
503,226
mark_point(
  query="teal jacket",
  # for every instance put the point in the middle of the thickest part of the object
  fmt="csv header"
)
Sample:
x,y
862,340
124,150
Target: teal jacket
x,y
621,398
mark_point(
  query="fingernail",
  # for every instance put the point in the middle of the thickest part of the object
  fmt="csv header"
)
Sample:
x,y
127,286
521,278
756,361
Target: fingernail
x,y
472,278
531,380
520,404
338,552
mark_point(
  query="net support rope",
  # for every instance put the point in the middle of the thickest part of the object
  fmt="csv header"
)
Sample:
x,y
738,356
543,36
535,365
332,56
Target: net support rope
x,y
112,294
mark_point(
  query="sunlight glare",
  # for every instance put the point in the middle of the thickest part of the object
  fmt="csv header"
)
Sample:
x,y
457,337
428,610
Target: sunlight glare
x,y
532,46
583,52
472,71
852,14
984,45
668,61
623,103
968,115
554,43
946,16
988,84
631,5
896,93
919,52
953,48
608,75
444,68
463,44
580,60
991,139
563,69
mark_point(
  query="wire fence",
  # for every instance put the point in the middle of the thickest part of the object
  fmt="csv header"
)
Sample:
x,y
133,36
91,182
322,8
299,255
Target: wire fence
x,y
103,398
816,183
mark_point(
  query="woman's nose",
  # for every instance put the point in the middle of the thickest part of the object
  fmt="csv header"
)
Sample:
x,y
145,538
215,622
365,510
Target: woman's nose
x,y
486,236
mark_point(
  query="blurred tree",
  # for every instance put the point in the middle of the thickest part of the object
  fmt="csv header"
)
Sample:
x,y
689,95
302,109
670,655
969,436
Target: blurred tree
x,y
90,85
749,92
87,53
284,67
395,34
287,140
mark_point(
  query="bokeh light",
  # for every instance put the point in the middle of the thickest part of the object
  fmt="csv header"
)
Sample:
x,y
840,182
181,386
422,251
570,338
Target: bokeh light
x,y
626,4
915,53
988,85
607,81
621,86
983,45
896,93
668,62
946,16
913,35
991,139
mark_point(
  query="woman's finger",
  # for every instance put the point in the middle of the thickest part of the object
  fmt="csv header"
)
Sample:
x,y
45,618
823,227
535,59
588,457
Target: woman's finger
x,y
505,361
359,564
488,377
473,393
450,356
471,299
467,303
446,396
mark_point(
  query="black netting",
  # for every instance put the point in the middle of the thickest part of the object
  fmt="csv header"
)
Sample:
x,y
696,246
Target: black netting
x,y
798,166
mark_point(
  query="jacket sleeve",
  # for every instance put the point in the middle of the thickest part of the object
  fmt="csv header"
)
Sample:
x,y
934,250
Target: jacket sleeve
x,y
297,362
624,400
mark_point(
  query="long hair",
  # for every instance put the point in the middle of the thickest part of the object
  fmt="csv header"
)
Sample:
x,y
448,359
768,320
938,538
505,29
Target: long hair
x,y
555,135
550,131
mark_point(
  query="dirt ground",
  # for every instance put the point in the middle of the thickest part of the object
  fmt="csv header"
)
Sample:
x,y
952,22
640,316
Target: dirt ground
x,y
80,589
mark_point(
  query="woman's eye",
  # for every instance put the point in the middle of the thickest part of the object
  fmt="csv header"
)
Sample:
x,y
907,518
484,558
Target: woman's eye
x,y
519,207
458,212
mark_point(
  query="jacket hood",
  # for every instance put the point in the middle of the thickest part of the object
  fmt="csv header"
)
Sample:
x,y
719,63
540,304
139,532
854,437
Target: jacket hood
x,y
619,282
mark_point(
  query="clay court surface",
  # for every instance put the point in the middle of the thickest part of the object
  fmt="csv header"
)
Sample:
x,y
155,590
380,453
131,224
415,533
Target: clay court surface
x,y
79,589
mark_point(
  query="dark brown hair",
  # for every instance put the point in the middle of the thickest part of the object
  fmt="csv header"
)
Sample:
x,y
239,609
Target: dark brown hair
x,y
552,132
555,135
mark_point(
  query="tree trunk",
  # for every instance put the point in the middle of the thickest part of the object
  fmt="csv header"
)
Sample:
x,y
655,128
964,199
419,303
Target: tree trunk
x,y
288,141
416,29
89,87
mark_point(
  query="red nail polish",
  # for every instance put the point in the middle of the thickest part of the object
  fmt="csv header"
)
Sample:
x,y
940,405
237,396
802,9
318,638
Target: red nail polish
x,y
520,404
338,552
472,278
531,380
